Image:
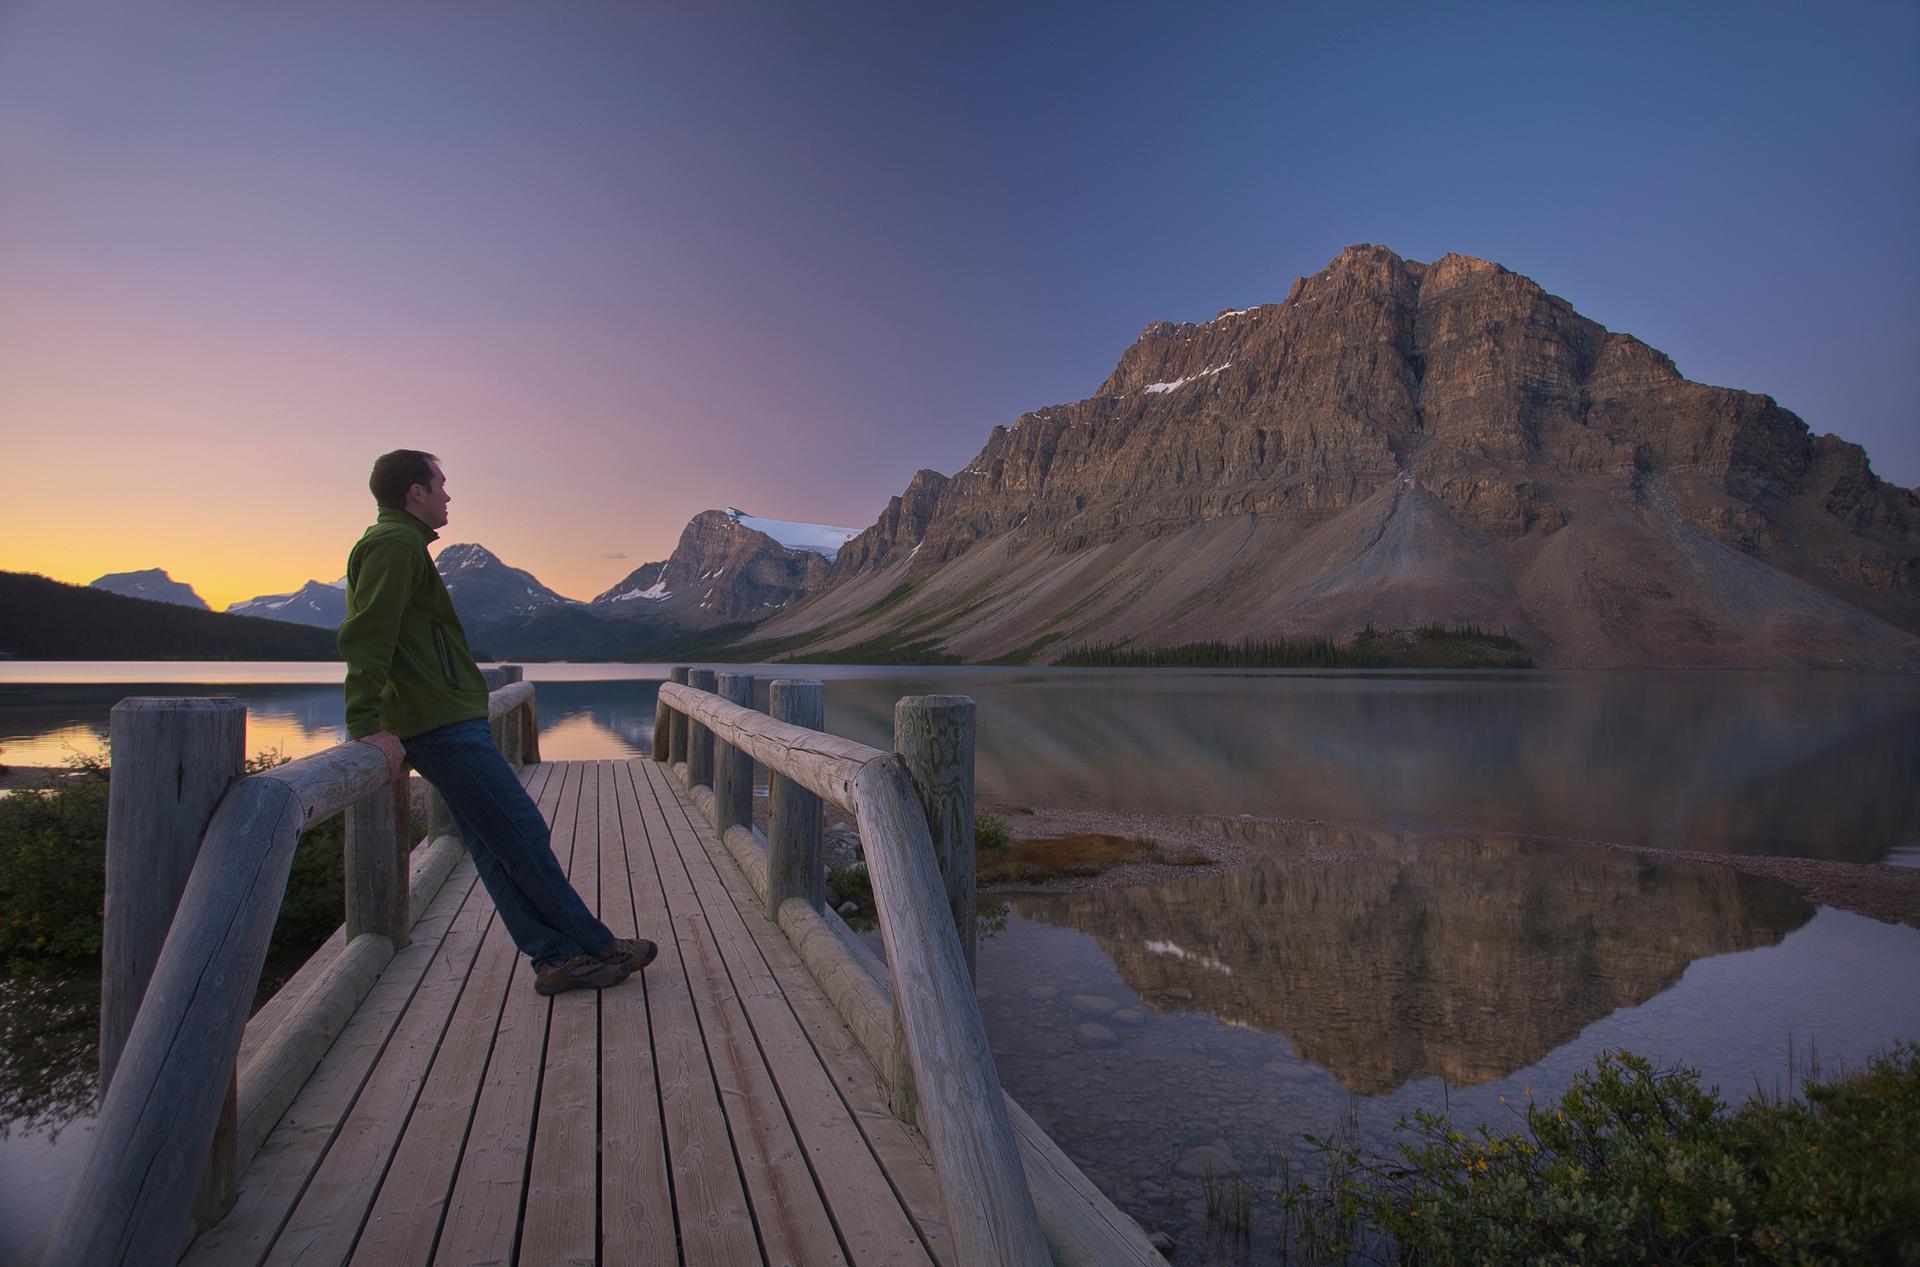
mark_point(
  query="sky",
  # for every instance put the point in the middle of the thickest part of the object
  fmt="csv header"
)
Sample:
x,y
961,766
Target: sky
x,y
617,263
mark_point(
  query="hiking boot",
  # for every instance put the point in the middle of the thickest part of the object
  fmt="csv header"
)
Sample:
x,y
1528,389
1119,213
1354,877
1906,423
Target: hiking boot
x,y
631,953
582,972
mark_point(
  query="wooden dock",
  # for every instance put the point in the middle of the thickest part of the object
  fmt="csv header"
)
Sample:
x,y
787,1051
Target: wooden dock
x,y
686,1116
768,1091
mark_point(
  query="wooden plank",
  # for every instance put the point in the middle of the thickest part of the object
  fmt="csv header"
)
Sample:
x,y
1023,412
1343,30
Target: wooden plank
x,y
329,1213
824,764
273,1182
483,1211
636,1199
866,1210
788,1209
327,1218
561,1223
710,1202
404,1220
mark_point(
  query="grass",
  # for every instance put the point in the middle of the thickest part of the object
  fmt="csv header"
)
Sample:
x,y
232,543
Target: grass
x,y
1059,858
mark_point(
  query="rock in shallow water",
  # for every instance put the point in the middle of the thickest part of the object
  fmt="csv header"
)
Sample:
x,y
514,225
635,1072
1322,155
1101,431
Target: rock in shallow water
x,y
1096,1035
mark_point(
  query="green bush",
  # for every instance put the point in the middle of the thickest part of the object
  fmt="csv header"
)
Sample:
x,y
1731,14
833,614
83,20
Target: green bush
x,y
990,832
853,884
1633,1166
53,868
53,845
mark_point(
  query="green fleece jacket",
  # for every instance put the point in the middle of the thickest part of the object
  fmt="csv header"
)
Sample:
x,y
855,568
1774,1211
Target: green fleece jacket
x,y
408,667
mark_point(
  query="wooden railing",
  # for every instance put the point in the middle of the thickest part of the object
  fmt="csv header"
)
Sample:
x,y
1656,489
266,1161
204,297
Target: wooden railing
x,y
197,865
933,1047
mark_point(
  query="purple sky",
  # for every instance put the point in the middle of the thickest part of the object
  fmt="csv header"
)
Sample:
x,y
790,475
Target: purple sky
x,y
618,263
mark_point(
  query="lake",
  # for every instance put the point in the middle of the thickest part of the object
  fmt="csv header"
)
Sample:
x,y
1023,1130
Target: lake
x,y
1423,929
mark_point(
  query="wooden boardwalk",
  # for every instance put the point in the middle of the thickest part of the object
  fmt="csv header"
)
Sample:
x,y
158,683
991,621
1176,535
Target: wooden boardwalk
x,y
714,1110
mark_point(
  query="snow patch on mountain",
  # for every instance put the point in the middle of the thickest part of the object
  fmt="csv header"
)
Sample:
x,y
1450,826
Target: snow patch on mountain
x,y
821,539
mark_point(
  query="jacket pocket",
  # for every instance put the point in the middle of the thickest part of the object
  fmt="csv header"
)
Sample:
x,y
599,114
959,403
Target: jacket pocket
x,y
445,652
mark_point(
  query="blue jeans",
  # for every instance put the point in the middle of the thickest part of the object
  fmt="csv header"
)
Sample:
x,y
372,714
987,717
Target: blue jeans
x,y
510,843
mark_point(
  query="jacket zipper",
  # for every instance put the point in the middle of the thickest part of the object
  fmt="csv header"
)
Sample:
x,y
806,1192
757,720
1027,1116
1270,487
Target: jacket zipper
x,y
446,656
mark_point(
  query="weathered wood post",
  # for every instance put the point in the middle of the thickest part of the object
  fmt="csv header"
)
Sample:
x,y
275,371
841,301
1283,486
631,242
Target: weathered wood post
x,y
794,864
512,725
677,723
377,852
662,730
934,736
699,738
733,767
170,761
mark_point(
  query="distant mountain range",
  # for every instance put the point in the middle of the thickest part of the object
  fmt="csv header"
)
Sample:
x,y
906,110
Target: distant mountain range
x,y
322,604
42,619
154,584
1396,445
729,570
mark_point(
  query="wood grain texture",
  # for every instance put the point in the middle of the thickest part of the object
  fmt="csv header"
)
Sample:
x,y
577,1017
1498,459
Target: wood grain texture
x,y
732,765
960,1108
172,760
934,736
825,764
795,867
636,1199
700,737
272,1075
710,1203
278,1173
560,1224
376,865
866,1212
484,1207
158,1118
430,864
676,721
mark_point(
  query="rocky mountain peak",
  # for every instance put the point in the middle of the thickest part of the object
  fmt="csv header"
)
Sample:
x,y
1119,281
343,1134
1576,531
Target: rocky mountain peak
x,y
726,568
1401,443
153,584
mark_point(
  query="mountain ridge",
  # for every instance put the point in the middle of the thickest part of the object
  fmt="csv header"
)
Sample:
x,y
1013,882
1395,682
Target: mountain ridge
x,y
1395,443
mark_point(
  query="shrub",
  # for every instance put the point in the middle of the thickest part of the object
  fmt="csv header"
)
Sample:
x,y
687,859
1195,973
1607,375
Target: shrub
x,y
53,846
989,832
1634,1165
853,884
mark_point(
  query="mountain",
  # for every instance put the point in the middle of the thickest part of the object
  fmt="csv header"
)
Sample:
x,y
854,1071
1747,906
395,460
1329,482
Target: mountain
x,y
728,567
153,583
321,604
1396,444
486,591
47,620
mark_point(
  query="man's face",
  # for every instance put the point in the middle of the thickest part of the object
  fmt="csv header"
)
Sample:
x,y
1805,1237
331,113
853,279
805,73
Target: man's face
x,y
428,502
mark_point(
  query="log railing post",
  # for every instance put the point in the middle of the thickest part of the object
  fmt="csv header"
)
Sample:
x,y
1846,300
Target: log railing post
x,y
377,853
662,730
699,738
169,763
934,736
733,766
794,864
512,725
677,723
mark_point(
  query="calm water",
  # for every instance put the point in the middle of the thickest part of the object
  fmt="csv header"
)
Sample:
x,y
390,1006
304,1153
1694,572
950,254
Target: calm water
x,y
1432,939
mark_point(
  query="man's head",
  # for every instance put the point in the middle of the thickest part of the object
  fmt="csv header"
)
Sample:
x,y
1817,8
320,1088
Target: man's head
x,y
409,480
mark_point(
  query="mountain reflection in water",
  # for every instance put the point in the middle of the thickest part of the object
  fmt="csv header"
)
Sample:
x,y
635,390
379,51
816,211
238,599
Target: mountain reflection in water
x,y
1387,958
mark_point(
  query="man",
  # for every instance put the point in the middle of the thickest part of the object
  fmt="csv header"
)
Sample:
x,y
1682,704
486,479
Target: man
x,y
414,692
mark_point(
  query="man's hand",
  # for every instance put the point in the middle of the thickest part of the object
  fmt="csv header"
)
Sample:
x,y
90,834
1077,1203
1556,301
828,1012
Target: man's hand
x,y
390,748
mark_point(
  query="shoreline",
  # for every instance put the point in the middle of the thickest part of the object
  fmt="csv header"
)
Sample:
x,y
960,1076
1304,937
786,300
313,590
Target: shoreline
x,y
1877,890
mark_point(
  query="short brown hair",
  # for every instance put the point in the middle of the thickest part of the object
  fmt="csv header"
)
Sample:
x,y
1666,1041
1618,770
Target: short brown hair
x,y
394,473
